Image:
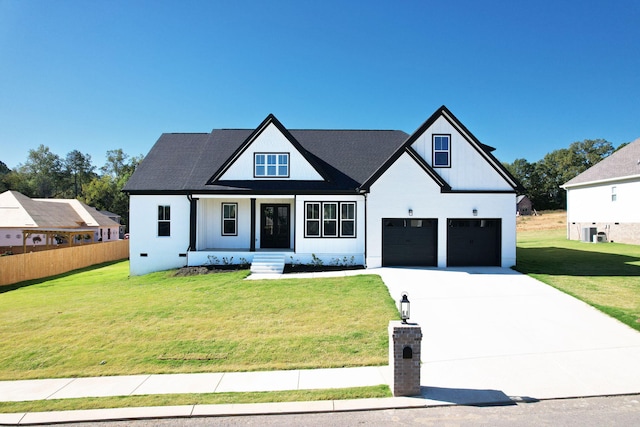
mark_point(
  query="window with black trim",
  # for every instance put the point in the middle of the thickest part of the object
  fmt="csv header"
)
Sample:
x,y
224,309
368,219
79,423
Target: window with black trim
x,y
442,151
347,219
330,219
312,220
229,219
164,220
268,165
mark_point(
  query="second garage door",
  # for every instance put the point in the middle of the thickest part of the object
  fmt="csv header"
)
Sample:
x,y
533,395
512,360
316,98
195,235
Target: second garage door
x,y
409,242
474,242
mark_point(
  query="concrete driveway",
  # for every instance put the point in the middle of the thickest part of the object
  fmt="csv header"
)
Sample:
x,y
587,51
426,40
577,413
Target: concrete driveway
x,y
494,333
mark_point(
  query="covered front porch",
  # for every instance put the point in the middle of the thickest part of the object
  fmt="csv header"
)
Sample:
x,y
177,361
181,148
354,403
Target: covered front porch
x,y
226,223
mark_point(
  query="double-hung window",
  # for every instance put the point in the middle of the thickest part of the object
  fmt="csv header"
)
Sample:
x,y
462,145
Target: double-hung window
x,y
330,219
312,220
268,165
442,151
229,219
347,219
164,220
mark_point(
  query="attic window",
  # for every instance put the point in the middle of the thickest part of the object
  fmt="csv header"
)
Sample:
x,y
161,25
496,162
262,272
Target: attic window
x,y
271,165
614,194
442,151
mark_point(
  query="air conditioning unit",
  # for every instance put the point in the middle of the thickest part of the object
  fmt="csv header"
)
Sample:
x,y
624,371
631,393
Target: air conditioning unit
x,y
602,238
588,233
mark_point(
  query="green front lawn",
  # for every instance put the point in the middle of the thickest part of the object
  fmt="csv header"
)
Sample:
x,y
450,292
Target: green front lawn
x,y
604,275
101,322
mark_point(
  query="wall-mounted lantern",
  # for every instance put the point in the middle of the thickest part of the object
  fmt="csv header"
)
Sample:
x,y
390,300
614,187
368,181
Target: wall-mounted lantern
x,y
410,212
475,212
404,308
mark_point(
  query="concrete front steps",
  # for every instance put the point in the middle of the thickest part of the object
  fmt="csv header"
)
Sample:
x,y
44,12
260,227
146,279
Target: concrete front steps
x,y
268,263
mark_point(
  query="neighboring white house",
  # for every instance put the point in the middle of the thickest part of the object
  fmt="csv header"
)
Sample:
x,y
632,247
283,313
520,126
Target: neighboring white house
x,y
437,197
603,200
26,221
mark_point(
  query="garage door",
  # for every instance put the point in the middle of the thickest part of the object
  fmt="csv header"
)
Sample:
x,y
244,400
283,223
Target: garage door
x,y
409,242
473,242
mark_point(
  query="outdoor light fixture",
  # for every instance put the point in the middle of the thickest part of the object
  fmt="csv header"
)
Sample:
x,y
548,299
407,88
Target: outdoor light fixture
x,y
404,308
475,212
410,212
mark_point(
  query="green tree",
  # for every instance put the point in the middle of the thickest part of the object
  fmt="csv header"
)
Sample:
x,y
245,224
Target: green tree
x,y
43,170
4,170
105,192
543,179
79,171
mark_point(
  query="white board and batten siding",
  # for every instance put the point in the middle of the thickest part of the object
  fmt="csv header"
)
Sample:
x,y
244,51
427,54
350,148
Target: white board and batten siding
x,y
162,252
271,140
330,250
469,169
405,185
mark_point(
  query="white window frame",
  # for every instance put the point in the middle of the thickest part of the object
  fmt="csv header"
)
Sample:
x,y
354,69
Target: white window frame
x,y
440,150
271,165
229,219
614,193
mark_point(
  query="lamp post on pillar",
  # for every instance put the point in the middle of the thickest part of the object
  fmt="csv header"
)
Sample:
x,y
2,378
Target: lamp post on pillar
x,y
404,352
405,308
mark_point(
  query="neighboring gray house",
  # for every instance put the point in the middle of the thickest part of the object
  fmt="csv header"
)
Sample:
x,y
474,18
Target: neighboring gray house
x,y
604,200
523,205
270,195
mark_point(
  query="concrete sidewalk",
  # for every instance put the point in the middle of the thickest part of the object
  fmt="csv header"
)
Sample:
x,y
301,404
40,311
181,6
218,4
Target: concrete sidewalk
x,y
490,336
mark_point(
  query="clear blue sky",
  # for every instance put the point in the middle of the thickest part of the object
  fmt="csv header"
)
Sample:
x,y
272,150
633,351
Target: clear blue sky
x,y
525,77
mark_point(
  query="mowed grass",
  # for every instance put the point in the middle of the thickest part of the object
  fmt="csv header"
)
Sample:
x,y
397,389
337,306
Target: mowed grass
x,y
101,322
606,276
195,399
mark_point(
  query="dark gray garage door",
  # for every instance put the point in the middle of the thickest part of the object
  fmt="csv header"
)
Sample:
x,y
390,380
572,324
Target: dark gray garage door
x,y
409,242
473,242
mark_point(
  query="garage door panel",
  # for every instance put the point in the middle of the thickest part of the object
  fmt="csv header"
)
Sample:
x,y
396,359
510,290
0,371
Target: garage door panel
x,y
409,242
474,242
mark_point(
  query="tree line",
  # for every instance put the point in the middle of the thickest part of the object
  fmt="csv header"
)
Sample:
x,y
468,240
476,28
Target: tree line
x,y
542,179
46,175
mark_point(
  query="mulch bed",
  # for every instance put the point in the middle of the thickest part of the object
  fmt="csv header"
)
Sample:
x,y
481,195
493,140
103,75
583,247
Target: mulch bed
x,y
288,268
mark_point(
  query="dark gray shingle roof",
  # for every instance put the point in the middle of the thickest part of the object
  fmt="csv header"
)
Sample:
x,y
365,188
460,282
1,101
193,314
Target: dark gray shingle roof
x,y
623,163
185,162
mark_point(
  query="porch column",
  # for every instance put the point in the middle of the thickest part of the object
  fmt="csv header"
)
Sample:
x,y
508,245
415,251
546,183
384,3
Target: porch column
x,y
252,245
193,216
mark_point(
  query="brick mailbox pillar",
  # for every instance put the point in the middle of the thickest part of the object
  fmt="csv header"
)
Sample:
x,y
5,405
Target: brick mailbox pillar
x,y
404,358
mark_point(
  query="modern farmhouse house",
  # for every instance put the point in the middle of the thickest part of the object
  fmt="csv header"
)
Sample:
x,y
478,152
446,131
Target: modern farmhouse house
x,y
437,197
602,202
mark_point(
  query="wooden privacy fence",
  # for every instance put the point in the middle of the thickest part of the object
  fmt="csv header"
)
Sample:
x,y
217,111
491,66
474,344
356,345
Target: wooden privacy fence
x,y
35,265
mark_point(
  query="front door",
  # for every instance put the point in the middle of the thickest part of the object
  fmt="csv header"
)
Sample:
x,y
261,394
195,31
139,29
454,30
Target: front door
x,y
274,226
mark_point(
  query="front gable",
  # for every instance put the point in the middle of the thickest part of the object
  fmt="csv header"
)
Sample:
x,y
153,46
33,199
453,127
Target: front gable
x,y
454,156
270,153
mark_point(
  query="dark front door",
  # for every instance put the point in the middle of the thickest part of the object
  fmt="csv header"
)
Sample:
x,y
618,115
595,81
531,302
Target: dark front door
x,y
274,226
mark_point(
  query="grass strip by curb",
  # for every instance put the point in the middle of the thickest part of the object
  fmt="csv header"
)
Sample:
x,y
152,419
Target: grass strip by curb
x,y
195,399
